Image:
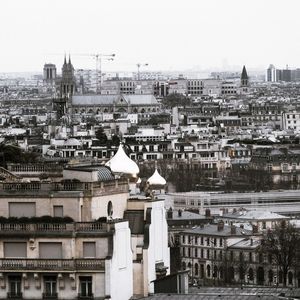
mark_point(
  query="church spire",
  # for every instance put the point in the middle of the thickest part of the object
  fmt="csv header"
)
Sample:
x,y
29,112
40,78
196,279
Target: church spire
x,y
244,74
69,59
244,77
65,60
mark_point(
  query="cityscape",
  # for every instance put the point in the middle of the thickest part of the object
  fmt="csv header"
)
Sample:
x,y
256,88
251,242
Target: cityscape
x,y
135,164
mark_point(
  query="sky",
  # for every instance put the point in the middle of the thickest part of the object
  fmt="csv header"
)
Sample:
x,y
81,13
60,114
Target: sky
x,y
168,35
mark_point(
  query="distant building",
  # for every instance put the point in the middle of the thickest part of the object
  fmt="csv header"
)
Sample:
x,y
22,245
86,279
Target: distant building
x,y
49,72
244,81
271,74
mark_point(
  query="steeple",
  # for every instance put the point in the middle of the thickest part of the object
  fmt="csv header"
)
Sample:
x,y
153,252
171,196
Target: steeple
x,y
244,77
65,60
69,59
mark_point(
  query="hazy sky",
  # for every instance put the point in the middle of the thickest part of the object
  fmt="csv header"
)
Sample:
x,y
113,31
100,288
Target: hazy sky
x,y
167,34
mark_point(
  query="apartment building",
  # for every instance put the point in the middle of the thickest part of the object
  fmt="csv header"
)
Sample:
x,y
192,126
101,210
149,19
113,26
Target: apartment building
x,y
81,235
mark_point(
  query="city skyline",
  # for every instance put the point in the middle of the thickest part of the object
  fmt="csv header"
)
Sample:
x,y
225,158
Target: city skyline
x,y
169,36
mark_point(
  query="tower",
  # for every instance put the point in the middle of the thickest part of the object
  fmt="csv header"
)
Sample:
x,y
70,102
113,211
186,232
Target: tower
x,y
49,74
272,74
244,78
67,84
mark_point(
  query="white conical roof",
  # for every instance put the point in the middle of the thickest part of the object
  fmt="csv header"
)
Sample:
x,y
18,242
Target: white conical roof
x,y
139,180
121,163
156,179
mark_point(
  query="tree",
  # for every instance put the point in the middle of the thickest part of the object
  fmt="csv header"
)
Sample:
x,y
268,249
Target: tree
x,y
101,136
14,154
115,140
282,244
176,99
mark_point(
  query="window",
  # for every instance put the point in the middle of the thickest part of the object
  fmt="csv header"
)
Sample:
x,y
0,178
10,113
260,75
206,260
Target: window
x,y
85,283
58,211
50,286
50,250
15,249
19,209
221,242
89,249
14,283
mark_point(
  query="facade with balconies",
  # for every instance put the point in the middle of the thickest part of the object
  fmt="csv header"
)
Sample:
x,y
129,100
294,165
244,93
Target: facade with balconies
x,y
72,239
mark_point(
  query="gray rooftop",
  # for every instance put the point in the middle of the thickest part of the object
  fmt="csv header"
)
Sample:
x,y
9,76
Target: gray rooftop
x,y
212,229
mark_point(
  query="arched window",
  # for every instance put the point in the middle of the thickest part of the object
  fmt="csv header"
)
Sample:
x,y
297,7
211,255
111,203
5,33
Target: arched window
x,y
260,275
208,270
270,276
251,274
183,265
221,272
215,274
201,271
196,269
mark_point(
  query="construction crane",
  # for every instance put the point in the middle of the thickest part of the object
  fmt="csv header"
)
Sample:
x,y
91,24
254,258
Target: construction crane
x,y
98,58
138,66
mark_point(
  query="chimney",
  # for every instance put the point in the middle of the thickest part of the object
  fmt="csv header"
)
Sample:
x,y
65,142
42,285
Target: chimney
x,y
207,213
179,213
170,213
233,229
220,225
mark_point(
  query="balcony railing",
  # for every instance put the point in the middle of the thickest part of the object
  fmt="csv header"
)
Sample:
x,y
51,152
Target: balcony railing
x,y
11,264
89,297
46,188
52,227
47,296
14,296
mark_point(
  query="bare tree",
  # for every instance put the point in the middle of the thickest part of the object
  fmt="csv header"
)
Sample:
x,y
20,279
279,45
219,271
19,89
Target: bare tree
x,y
282,243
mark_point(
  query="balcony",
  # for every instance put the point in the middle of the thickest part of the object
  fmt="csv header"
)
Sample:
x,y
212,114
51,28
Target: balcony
x,y
54,265
47,296
52,228
14,296
88,297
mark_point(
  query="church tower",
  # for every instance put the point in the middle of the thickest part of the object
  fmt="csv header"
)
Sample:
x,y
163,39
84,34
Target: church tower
x,y
68,84
244,78
66,87
244,81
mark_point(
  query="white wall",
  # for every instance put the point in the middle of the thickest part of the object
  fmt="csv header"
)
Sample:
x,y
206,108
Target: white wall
x,y
119,283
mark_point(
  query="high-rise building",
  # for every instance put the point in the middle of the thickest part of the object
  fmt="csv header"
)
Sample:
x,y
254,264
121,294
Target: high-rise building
x,y
271,74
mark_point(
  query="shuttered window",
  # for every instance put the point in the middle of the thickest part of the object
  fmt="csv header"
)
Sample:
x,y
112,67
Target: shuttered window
x,y
58,211
50,250
19,209
15,249
89,249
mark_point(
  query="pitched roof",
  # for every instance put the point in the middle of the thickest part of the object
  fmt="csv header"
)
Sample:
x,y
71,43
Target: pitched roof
x,y
212,229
